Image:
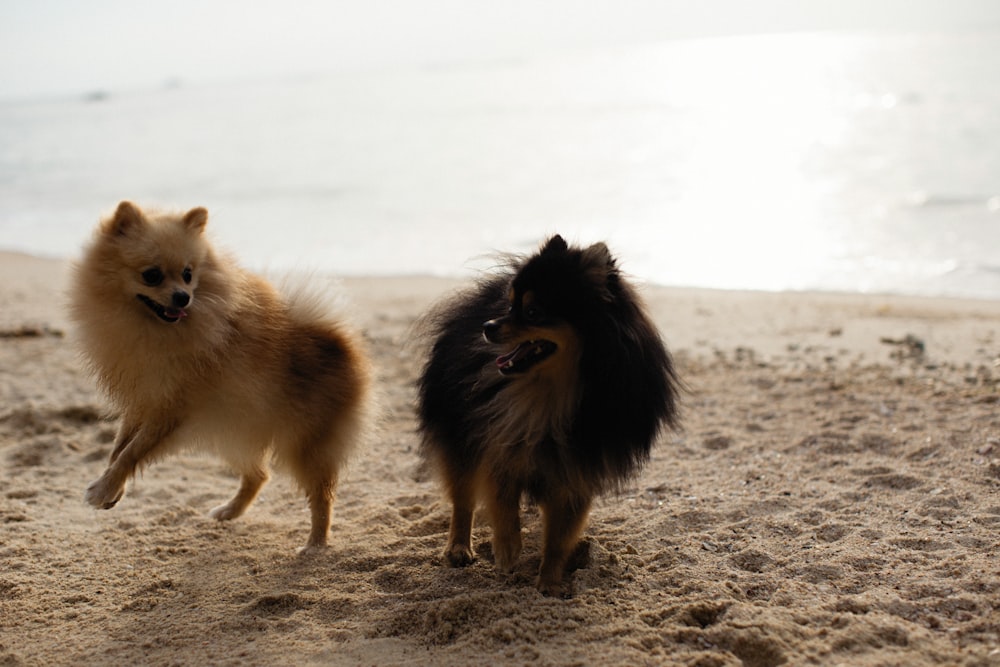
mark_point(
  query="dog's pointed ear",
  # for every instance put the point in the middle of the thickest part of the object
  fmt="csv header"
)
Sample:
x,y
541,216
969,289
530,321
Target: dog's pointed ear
x,y
600,267
196,219
554,245
599,255
127,217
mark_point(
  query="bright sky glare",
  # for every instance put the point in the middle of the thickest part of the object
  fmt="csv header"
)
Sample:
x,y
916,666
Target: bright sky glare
x,y
69,47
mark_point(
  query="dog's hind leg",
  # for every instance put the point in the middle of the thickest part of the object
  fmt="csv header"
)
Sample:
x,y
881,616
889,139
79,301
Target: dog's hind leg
x,y
463,507
320,493
251,481
563,523
316,470
320,486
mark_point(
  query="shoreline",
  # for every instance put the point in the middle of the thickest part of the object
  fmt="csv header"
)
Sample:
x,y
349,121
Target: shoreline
x,y
23,258
693,319
832,498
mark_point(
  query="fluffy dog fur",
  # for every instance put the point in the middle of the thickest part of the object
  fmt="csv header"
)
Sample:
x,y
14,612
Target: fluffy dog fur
x,y
548,380
196,352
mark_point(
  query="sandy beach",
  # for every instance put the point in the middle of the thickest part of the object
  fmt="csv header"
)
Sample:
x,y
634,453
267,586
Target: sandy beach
x,y
833,499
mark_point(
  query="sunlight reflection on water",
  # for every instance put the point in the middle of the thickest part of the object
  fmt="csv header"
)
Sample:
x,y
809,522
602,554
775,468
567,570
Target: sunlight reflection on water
x,y
820,161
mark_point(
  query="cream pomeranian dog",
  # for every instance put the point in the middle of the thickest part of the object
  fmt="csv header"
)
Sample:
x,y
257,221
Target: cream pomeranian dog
x,y
193,351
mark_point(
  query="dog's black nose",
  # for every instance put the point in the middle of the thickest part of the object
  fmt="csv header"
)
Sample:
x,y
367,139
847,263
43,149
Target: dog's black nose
x,y
491,331
180,299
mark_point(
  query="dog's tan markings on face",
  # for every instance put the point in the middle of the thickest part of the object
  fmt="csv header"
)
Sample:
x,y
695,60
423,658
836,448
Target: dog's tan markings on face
x,y
527,301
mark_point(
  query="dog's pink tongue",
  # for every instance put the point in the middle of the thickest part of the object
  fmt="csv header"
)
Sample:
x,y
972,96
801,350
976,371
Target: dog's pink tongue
x,y
509,358
175,312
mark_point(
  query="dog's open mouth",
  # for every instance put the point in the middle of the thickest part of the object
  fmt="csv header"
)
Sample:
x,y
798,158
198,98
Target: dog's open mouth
x,y
166,314
524,356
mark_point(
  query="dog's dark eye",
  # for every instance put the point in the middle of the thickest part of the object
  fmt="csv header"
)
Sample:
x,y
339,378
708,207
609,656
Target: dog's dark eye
x,y
186,275
152,277
532,313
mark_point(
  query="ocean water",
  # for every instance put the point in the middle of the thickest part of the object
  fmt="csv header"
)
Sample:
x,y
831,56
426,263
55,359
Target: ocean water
x,y
848,162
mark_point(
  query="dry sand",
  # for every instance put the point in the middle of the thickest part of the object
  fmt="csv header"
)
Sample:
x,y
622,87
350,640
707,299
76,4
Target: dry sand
x,y
833,499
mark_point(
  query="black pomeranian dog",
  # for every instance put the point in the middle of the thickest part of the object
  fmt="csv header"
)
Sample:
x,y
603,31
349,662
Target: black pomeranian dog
x,y
549,380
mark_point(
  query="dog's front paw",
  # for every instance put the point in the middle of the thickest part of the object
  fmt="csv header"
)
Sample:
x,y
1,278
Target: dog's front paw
x,y
553,588
311,550
103,494
459,555
505,555
225,512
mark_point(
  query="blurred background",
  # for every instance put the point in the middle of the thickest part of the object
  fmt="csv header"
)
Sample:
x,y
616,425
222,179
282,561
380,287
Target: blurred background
x,y
849,145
